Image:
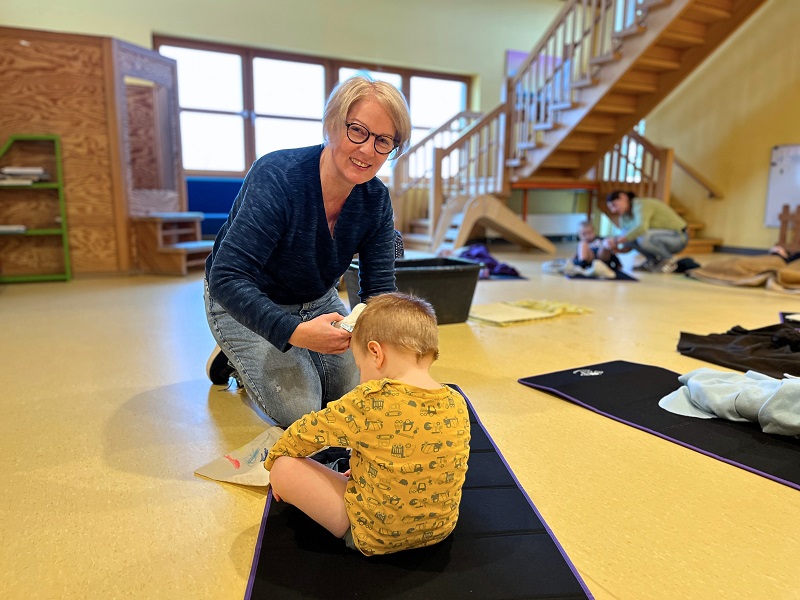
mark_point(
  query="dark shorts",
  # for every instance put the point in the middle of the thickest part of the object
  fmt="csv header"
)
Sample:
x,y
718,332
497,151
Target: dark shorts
x,y
348,540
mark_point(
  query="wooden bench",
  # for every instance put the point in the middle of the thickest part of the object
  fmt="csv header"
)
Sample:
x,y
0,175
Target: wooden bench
x,y
170,243
789,234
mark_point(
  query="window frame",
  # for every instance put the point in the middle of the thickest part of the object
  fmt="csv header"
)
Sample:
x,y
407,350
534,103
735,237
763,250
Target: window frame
x,y
331,65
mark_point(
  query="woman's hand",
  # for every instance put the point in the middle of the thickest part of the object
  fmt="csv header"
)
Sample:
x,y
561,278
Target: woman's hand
x,y
321,336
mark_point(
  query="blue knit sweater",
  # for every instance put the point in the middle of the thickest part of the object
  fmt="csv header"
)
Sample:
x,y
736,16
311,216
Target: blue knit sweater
x,y
276,248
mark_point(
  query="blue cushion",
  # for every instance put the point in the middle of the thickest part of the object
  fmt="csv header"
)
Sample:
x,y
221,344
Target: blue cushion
x,y
214,197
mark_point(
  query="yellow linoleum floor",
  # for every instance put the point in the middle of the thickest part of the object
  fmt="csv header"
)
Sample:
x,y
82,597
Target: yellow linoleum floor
x,y
106,412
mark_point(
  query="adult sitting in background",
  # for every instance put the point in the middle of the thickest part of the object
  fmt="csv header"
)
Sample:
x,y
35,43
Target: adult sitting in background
x,y
649,226
298,220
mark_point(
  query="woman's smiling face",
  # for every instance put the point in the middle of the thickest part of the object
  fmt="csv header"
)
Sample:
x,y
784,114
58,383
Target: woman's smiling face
x,y
358,163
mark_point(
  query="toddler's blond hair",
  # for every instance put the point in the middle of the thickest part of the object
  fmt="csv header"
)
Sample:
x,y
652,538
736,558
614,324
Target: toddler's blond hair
x,y
401,320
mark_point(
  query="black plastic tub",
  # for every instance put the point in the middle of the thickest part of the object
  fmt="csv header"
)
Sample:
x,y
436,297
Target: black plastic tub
x,y
447,283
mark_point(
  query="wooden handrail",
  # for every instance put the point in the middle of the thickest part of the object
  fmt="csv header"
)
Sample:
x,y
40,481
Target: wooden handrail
x,y
472,165
413,170
401,164
635,164
713,191
584,33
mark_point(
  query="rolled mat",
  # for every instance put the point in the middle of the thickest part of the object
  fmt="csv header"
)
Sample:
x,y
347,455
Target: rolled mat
x,y
500,549
629,393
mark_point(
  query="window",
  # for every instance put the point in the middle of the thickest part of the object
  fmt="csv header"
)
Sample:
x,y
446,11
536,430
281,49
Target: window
x,y
239,103
211,101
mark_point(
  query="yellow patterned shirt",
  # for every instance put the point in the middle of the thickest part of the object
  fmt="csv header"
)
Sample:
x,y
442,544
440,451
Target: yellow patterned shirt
x,y
409,459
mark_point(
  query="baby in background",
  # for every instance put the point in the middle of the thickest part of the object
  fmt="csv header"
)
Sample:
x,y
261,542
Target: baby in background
x,y
409,437
591,247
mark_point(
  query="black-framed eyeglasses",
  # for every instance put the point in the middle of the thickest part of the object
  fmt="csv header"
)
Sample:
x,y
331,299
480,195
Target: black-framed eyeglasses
x,y
358,134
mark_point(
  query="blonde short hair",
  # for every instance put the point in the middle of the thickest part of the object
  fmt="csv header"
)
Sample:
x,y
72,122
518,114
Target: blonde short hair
x,y
401,320
357,88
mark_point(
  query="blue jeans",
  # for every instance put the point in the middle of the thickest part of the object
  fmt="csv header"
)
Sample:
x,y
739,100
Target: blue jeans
x,y
285,385
661,244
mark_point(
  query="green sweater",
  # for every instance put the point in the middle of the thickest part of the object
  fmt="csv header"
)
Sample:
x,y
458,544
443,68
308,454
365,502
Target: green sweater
x,y
646,214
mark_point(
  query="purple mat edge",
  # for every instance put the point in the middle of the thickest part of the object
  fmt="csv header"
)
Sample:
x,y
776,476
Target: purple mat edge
x,y
527,497
729,461
262,528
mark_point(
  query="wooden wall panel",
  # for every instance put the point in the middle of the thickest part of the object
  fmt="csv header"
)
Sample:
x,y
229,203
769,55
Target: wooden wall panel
x,y
145,170
35,208
74,86
97,245
54,84
170,192
40,254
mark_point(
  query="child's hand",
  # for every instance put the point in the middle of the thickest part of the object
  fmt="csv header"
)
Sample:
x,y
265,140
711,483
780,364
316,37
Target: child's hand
x,y
275,495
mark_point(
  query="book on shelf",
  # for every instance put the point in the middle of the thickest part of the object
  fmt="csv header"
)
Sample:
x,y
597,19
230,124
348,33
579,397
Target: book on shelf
x,y
20,174
8,181
22,171
12,229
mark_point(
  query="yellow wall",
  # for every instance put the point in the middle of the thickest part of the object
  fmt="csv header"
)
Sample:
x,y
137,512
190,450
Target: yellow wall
x,y
727,116
458,36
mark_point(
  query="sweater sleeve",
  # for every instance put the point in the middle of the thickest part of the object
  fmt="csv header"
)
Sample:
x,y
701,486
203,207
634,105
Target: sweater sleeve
x,y
244,251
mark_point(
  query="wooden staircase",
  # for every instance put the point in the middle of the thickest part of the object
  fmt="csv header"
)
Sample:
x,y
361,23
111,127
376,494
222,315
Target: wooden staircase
x,y
601,67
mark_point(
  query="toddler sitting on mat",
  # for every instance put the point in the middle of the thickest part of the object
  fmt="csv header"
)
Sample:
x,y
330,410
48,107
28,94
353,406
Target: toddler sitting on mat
x,y
409,437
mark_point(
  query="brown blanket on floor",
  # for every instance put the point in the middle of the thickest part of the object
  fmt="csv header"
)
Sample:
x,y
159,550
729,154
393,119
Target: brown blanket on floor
x,y
769,271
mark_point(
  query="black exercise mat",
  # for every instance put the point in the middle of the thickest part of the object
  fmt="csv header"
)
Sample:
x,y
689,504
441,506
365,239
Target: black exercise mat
x,y
629,393
500,549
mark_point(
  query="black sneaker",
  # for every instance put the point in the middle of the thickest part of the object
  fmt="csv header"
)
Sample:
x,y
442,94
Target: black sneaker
x,y
218,369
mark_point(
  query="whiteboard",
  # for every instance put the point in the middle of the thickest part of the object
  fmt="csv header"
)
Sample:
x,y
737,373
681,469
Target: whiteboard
x,y
784,182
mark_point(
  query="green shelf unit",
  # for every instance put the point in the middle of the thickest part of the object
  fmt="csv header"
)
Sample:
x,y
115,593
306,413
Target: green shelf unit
x,y
19,249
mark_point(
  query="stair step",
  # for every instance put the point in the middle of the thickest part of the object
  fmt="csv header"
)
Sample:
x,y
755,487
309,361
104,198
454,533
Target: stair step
x,y
617,104
528,145
648,4
416,241
420,226
562,160
194,247
701,246
606,58
632,31
637,82
585,82
171,217
705,12
660,58
693,226
545,126
579,142
567,105
683,32
597,124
